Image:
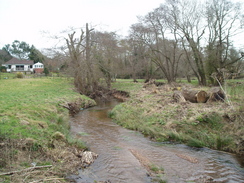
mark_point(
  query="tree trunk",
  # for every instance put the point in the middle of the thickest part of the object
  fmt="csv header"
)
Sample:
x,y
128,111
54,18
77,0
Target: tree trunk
x,y
216,94
178,97
195,96
188,77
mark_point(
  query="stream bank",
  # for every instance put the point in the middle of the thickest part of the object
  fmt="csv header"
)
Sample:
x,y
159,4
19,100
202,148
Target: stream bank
x,y
35,145
153,111
127,156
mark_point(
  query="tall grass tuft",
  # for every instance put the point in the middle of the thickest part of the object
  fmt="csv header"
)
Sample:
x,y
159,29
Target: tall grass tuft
x,y
195,143
223,142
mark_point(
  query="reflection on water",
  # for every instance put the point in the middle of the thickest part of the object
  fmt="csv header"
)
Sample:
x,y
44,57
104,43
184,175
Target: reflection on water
x,y
117,163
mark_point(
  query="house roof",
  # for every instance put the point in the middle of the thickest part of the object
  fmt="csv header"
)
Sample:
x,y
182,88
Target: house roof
x,y
14,61
38,63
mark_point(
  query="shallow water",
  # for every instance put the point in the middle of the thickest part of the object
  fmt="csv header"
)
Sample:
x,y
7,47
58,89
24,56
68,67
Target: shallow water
x,y
122,152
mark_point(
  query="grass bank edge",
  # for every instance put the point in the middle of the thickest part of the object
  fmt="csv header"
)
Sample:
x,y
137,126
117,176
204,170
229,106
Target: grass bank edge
x,y
221,128
31,110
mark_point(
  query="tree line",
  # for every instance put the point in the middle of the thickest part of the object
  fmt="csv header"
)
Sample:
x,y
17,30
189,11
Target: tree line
x,y
192,35
180,38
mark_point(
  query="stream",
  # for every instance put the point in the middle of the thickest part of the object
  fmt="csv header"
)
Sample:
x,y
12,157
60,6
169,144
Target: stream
x,y
122,154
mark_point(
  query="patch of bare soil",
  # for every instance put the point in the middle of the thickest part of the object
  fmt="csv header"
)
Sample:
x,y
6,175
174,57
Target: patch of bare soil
x,y
105,94
102,94
121,95
75,106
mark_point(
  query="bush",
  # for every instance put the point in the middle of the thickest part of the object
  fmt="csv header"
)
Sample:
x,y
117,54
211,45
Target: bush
x,y
3,69
19,75
46,71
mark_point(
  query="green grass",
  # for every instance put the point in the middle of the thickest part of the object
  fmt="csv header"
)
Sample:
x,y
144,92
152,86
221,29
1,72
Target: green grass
x,y
128,85
34,127
234,89
215,125
4,75
30,107
156,169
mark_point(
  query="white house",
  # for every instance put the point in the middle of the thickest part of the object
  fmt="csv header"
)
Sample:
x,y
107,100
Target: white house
x,y
16,65
38,67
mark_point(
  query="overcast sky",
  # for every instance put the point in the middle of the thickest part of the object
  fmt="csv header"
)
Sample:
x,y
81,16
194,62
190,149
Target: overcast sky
x,y
25,20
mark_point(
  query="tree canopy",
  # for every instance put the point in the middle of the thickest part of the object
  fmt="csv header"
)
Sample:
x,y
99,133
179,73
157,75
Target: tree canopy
x,y
22,50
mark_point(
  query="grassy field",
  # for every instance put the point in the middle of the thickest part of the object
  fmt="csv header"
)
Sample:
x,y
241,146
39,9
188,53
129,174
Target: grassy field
x,y
33,125
152,111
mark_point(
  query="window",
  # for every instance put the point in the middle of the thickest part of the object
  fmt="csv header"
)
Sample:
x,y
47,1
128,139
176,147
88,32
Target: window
x,y
19,67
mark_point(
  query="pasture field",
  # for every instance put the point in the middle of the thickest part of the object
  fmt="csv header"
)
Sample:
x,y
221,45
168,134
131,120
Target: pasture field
x,y
34,127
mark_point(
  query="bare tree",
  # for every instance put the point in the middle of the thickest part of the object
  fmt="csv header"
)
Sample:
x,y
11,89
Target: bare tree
x,y
81,62
75,52
224,21
135,55
187,17
105,53
236,68
165,51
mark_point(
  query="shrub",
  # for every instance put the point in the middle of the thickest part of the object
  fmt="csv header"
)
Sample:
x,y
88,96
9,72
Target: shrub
x,y
46,71
19,75
3,69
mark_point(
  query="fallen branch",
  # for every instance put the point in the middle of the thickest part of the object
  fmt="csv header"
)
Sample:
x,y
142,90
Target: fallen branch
x,y
27,169
73,107
65,106
225,93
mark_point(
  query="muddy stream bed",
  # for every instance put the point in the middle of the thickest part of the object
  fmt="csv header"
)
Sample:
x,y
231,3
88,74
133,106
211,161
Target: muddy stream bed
x,y
122,154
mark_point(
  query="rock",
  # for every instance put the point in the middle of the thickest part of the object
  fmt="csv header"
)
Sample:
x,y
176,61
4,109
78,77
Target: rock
x,y
88,157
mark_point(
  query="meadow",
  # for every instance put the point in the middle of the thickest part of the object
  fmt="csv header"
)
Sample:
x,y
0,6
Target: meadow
x,y
35,104
32,120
